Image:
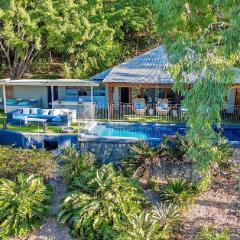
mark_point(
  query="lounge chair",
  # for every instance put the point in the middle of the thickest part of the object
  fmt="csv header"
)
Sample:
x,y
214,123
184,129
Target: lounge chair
x,y
139,106
162,107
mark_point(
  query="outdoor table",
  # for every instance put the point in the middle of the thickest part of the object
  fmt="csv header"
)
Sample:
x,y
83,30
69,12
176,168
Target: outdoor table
x,y
37,120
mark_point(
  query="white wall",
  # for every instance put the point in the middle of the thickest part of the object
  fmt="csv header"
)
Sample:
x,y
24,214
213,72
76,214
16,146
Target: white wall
x,y
30,92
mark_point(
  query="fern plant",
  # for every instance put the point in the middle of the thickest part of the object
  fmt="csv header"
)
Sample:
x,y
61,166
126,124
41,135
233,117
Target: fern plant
x,y
23,205
101,213
178,191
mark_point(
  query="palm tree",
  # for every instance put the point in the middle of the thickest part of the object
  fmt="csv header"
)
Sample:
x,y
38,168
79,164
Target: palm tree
x,y
23,205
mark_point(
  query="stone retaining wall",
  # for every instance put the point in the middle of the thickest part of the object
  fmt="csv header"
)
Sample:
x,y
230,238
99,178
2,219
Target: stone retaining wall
x,y
105,151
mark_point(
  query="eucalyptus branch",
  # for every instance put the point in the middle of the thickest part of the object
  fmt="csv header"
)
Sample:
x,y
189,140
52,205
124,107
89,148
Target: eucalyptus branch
x,y
211,25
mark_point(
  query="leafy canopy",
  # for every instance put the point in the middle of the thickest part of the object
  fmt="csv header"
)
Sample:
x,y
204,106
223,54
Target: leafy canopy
x,y
203,41
27,161
28,27
88,36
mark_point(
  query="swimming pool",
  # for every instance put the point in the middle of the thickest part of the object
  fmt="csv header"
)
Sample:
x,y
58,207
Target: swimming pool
x,y
148,131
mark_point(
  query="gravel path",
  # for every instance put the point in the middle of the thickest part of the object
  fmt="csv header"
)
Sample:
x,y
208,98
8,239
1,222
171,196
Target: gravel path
x,y
52,229
219,207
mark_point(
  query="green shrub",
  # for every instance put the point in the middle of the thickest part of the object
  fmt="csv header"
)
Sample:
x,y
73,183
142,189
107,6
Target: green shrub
x,y
153,184
178,191
140,155
175,148
225,153
27,161
101,213
23,205
167,214
204,182
142,227
75,164
210,234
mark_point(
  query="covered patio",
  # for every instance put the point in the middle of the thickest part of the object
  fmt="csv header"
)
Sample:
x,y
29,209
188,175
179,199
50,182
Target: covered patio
x,y
145,79
42,93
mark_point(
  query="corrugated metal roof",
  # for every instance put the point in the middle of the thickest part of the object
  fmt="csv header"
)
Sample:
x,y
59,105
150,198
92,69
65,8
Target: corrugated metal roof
x,y
101,76
149,67
49,82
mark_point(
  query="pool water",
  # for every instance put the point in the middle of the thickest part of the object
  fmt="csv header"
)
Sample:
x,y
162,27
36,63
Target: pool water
x,y
132,130
151,132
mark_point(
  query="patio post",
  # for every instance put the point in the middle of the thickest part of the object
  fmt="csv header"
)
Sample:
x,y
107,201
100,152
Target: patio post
x,y
52,95
110,102
92,94
4,99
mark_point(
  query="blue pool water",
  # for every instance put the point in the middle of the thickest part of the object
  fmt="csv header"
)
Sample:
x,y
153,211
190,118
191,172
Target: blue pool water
x,y
144,131
151,132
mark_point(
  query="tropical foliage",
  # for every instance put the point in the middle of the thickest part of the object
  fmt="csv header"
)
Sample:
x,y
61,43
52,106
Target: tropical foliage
x,y
210,234
175,148
166,214
23,205
144,226
102,213
202,38
140,156
178,191
75,164
27,161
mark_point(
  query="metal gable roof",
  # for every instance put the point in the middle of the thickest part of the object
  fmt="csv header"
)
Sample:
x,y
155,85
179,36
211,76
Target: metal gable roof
x,y
101,76
149,67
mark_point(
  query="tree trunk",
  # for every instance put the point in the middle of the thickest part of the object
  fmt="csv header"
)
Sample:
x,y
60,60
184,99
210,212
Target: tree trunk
x,y
18,66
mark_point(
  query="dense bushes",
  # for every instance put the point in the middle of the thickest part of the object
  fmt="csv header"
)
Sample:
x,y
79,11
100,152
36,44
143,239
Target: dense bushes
x,y
104,212
27,161
24,203
75,165
24,199
178,191
210,234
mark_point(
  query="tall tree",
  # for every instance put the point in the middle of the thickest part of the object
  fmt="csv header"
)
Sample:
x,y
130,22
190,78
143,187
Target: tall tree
x,y
203,41
133,28
28,27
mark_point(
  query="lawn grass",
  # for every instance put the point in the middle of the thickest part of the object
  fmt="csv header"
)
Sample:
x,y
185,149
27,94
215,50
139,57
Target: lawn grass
x,y
33,128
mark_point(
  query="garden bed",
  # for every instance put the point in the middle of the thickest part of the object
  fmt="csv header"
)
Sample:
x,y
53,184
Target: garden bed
x,y
218,206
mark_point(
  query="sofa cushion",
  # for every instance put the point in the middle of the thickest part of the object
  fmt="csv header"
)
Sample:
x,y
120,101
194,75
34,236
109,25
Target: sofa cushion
x,y
26,110
34,111
139,105
55,112
45,112
39,111
56,119
163,106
